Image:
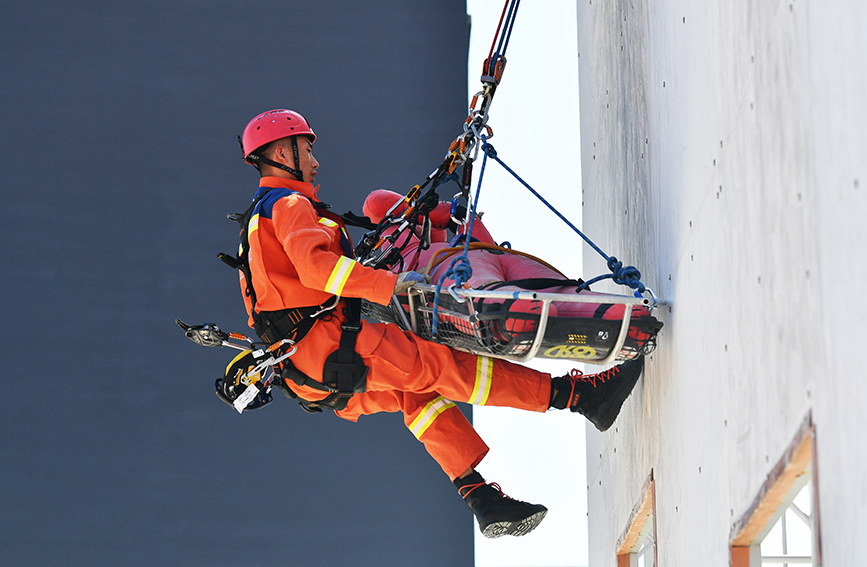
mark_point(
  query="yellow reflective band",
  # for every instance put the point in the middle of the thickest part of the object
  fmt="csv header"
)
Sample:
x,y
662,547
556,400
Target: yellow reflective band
x,y
428,414
254,225
327,222
339,275
484,372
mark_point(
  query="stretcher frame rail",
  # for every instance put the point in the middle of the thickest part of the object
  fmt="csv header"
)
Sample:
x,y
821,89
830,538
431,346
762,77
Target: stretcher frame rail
x,y
421,300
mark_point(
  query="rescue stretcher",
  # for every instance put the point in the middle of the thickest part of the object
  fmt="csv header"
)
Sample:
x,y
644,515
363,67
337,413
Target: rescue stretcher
x,y
464,321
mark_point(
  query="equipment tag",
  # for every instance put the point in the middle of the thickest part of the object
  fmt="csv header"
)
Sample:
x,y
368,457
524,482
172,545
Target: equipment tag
x,y
244,399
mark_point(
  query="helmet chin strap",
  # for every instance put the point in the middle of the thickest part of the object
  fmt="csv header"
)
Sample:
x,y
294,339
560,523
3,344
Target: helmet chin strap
x,y
256,159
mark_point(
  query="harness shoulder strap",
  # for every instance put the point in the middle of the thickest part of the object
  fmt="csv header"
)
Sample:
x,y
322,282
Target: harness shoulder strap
x,y
242,261
285,322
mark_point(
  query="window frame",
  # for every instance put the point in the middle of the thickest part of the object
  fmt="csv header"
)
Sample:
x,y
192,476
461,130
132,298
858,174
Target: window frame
x,y
640,527
795,469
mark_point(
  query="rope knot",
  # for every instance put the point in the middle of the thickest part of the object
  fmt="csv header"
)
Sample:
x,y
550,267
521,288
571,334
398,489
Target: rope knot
x,y
625,275
460,270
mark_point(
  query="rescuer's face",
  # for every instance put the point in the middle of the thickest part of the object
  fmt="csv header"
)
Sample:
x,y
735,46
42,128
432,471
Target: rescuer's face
x,y
306,161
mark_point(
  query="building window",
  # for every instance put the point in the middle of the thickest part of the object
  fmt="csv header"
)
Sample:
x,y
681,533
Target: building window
x,y
790,539
636,547
781,526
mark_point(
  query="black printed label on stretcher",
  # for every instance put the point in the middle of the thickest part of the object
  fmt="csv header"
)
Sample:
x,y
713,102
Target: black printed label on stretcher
x,y
593,339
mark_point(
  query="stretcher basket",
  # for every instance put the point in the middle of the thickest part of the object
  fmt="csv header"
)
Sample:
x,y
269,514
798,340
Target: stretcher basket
x,y
478,321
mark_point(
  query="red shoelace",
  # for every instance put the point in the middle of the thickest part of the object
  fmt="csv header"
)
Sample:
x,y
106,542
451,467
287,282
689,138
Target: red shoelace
x,y
472,487
576,376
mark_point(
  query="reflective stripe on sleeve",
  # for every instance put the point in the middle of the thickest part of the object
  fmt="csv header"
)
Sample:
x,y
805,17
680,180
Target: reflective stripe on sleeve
x,y
428,414
339,275
254,225
484,372
327,222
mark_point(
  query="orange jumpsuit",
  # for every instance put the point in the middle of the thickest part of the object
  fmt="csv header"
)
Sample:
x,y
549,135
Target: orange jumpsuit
x,y
299,257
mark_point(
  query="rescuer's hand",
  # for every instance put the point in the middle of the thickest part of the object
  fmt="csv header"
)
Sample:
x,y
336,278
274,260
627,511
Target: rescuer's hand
x,y
406,280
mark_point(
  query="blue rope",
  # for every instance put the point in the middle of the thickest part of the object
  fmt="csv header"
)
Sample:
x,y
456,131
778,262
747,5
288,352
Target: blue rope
x,y
459,269
511,25
506,35
620,274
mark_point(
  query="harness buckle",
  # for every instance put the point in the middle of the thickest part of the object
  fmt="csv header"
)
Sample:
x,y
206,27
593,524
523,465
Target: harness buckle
x,y
325,308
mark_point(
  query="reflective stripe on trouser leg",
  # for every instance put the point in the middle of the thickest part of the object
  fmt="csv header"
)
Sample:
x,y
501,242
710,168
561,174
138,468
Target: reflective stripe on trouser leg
x,y
447,435
484,373
428,414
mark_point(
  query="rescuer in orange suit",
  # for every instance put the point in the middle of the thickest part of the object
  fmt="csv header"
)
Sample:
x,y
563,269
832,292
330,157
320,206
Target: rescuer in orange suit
x,y
300,262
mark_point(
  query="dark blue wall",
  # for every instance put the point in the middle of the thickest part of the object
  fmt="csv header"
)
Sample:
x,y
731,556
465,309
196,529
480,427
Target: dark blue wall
x,y
118,163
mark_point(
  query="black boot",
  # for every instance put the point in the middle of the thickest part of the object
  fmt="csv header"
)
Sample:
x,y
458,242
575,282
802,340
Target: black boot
x,y
497,514
598,397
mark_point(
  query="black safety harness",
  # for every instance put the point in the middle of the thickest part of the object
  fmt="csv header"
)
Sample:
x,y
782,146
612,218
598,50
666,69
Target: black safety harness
x,y
344,373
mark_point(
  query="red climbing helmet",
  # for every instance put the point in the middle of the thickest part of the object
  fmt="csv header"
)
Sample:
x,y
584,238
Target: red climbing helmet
x,y
273,125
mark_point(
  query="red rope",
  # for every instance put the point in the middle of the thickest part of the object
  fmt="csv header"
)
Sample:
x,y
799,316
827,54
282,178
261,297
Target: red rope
x,y
496,35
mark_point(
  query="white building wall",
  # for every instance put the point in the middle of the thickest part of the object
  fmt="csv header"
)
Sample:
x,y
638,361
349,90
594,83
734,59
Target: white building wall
x,y
724,151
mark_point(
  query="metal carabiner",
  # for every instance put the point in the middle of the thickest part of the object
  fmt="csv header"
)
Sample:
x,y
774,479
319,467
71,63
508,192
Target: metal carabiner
x,y
458,298
477,127
454,210
653,299
282,342
453,163
323,309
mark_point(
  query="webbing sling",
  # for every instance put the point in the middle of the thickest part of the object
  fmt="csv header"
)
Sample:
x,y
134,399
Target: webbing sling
x,y
344,367
492,311
533,284
344,373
